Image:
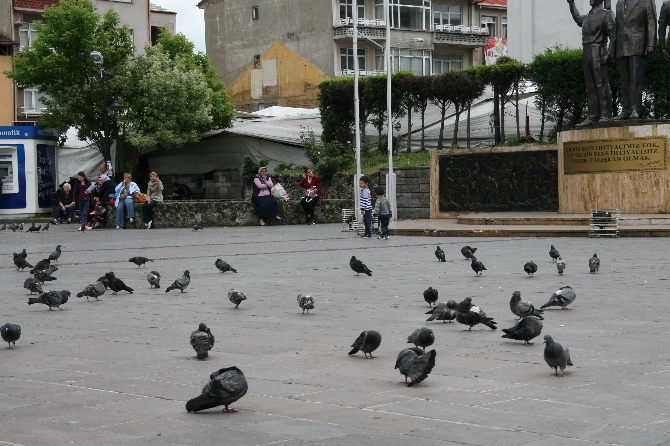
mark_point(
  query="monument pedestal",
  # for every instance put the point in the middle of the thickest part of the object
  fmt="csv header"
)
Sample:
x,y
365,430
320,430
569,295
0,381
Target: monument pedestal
x,y
624,167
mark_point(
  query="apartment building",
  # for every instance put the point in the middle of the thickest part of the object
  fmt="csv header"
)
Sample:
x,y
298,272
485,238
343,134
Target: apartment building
x,y
18,30
274,52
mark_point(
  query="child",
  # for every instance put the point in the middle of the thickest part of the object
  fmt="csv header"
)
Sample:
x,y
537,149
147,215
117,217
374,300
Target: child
x,y
383,212
366,205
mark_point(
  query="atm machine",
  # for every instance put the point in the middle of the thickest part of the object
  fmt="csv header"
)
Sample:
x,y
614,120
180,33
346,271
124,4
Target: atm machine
x,y
28,169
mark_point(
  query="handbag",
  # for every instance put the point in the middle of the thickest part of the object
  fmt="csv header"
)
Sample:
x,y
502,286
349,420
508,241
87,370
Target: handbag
x,y
141,198
312,192
278,191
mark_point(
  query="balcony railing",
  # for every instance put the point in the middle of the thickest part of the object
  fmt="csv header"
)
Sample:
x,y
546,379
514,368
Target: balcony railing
x,y
469,36
360,72
361,22
370,28
462,29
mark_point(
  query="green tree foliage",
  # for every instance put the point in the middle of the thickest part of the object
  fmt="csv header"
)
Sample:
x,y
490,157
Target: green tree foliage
x,y
441,96
328,158
336,107
374,101
418,90
502,76
656,98
468,87
249,168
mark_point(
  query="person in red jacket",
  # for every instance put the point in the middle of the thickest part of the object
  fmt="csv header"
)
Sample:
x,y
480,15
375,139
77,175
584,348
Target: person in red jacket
x,y
312,186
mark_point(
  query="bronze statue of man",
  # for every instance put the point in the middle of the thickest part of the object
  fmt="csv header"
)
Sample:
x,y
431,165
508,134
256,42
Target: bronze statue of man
x,y
597,27
635,28
663,23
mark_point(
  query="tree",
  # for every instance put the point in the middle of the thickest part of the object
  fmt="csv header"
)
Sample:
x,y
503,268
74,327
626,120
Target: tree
x,y
416,93
502,76
336,107
467,88
441,96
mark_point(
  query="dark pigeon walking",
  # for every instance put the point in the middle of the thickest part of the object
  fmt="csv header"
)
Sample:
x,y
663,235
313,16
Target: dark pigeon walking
x,y
21,263
34,228
560,265
477,266
55,254
24,254
561,298
468,252
139,260
530,268
96,290
468,314
525,329
443,312
51,299
556,355
553,253
523,308
421,337
415,365
116,284
46,227
104,280
430,296
367,342
180,283
594,263
306,302
10,334
195,227
45,275
42,264
226,386
33,285
359,267
236,297
440,254
202,341
4,227
154,279
224,266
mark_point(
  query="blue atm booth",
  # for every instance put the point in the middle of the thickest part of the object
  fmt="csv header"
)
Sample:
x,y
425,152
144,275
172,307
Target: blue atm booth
x,y
28,169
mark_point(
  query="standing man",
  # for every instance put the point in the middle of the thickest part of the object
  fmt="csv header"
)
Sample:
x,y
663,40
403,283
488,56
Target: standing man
x,y
635,28
663,23
597,27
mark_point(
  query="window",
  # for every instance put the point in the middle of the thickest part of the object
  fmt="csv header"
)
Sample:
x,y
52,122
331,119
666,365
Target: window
x,y
254,13
132,36
154,35
27,35
608,4
416,61
447,15
32,101
504,27
346,9
406,14
347,59
257,61
446,62
490,23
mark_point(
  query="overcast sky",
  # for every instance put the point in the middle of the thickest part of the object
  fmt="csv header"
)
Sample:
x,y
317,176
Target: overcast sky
x,y
190,21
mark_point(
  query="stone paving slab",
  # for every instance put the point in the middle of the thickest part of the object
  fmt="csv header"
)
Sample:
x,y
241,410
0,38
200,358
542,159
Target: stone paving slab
x,y
119,371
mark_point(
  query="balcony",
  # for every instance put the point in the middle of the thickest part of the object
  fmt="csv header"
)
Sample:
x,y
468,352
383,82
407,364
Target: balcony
x,y
372,28
468,36
360,72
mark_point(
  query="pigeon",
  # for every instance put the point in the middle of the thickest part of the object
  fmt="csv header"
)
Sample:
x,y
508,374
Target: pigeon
x,y
10,334
525,329
51,299
139,261
553,253
530,267
556,355
415,364
33,285
116,284
468,252
96,290
20,227
154,279
21,263
421,337
224,266
306,302
359,267
196,227
33,228
443,312
560,265
236,297
202,340
24,254
181,283
104,280
42,264
45,228
430,296
477,266
523,308
561,298
4,227
468,314
45,275
440,254
226,386
12,227
367,342
56,254
594,263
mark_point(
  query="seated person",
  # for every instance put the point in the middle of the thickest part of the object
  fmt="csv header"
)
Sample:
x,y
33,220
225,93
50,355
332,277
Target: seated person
x,y
66,204
102,199
181,192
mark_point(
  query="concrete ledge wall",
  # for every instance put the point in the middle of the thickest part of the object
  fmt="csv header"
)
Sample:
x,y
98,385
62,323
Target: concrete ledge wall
x,y
412,191
182,214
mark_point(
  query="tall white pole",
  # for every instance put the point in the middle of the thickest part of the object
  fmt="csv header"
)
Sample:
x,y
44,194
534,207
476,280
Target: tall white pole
x,y
357,116
390,180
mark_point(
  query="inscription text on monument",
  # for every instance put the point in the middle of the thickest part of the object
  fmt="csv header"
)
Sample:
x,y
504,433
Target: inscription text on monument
x,y
634,154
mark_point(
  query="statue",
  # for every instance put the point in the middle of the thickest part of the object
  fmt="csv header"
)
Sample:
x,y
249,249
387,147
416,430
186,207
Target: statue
x,y
663,23
635,28
597,27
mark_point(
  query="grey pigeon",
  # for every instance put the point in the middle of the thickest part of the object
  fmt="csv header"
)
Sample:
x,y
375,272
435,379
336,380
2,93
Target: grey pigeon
x,y
443,312
477,266
530,268
181,283
195,227
421,337
10,334
45,228
556,355
226,386
56,254
42,264
440,254
20,227
468,252
139,260
561,298
45,275
594,263
224,266
553,253
104,280
306,302
24,254
21,263
415,365
51,299
430,296
523,308
96,290
116,284
202,341
560,265
367,342
236,297
468,314
33,228
33,285
359,267
525,329
4,227
154,279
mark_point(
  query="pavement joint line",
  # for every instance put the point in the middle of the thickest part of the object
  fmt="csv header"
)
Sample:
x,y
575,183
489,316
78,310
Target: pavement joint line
x,y
12,444
121,424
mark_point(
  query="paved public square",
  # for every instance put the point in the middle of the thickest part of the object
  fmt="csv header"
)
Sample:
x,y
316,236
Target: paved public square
x,y
119,371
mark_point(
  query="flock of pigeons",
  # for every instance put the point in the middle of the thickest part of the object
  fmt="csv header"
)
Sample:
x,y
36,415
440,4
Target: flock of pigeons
x,y
19,227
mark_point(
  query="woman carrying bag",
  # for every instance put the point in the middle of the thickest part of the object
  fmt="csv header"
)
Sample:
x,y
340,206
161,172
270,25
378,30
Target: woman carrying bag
x,y
265,204
127,190
312,186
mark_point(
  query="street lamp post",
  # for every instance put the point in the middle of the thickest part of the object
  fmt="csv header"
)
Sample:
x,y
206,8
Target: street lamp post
x,y
114,106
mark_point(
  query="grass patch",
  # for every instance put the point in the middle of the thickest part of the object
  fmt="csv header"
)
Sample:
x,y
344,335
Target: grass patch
x,y
373,162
